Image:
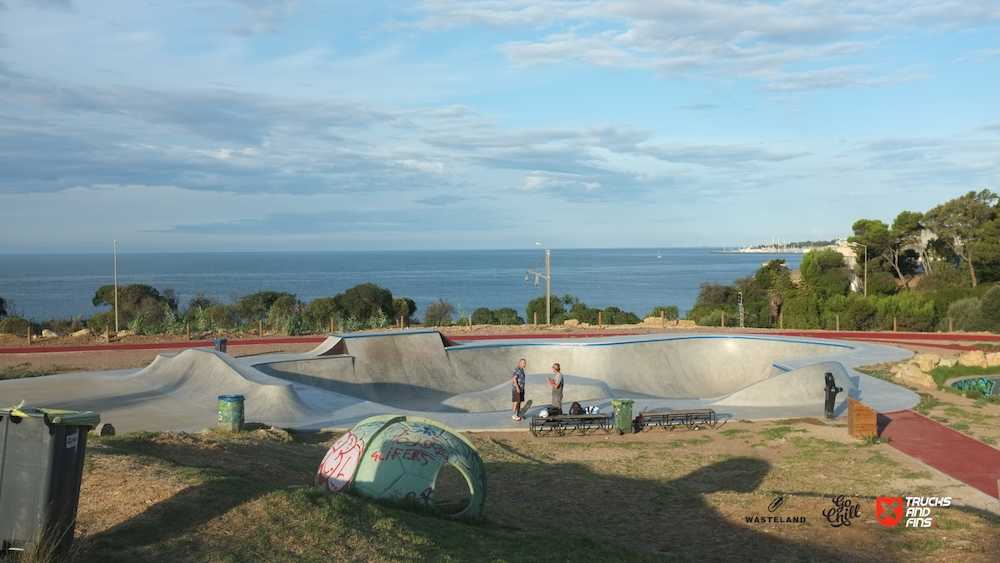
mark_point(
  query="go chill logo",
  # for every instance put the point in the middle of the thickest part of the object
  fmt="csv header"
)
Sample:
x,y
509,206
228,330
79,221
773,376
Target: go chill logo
x,y
889,511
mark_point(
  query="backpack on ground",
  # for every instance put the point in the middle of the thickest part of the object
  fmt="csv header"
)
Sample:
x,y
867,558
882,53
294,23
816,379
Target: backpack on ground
x,y
575,409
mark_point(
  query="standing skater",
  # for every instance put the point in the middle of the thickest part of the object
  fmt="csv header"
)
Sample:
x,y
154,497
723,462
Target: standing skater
x,y
557,386
517,389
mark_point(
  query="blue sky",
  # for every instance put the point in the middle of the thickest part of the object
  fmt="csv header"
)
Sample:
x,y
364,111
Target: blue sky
x,y
296,125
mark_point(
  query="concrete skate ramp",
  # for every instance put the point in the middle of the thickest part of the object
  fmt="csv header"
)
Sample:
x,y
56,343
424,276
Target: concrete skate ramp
x,y
537,390
380,367
687,367
420,369
198,376
803,386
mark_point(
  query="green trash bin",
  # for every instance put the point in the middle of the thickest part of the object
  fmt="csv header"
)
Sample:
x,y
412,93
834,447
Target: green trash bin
x,y
231,413
41,466
623,415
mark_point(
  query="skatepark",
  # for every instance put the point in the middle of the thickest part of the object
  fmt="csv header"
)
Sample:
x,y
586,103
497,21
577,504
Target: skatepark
x,y
466,385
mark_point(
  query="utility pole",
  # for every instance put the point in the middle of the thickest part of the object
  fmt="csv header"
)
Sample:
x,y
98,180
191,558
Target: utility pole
x,y
548,285
116,287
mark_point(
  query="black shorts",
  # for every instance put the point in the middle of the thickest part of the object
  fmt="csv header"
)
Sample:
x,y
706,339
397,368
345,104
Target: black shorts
x,y
516,396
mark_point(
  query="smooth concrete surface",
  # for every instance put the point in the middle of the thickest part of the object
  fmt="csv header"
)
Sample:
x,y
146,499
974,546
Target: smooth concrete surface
x,y
348,378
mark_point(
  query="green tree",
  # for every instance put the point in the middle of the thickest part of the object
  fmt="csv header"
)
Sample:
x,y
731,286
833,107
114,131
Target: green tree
x,y
906,229
507,316
365,301
957,222
318,313
257,306
403,307
439,314
537,305
483,316
823,270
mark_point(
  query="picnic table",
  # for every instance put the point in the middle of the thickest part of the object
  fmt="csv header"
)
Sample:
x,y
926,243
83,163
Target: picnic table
x,y
668,420
560,424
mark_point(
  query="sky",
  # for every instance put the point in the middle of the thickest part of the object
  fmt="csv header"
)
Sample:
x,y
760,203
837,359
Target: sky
x,y
273,125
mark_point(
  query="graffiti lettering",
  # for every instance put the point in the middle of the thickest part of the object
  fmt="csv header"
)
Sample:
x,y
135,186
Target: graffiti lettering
x,y
423,457
337,468
981,384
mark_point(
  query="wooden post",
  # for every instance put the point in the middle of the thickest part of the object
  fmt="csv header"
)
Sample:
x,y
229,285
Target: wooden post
x,y
600,321
894,324
107,333
536,318
260,329
29,333
781,320
723,319
663,322
189,331
470,323
949,324
838,323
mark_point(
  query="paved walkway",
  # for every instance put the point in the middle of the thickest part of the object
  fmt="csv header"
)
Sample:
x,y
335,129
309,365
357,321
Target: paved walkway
x,y
963,458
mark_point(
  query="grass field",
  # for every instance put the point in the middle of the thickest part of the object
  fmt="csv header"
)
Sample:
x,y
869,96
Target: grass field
x,y
656,496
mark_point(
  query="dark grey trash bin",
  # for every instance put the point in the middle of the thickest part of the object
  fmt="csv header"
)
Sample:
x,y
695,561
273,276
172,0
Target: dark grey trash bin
x,y
41,465
220,344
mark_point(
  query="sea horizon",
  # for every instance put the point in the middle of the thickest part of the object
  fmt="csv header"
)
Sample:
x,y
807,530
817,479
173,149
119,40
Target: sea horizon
x,y
61,286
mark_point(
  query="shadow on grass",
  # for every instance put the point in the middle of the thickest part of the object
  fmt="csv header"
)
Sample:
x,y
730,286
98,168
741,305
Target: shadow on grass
x,y
556,511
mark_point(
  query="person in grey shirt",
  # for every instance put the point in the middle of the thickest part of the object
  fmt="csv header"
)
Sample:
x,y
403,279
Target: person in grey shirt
x,y
556,381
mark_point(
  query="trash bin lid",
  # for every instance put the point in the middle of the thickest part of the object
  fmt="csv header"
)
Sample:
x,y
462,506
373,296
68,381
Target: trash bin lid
x,y
56,416
624,402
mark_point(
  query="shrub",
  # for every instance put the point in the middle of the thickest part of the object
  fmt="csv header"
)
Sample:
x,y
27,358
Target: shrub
x,y
294,325
101,321
483,316
965,314
712,318
318,313
670,312
615,316
507,316
257,306
284,306
216,317
14,325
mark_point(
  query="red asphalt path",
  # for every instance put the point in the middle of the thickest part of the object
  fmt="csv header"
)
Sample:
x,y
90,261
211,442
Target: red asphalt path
x,y
924,338
960,457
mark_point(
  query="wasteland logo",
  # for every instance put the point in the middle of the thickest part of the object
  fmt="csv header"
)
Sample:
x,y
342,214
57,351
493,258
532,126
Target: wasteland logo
x,y
889,510
842,512
775,504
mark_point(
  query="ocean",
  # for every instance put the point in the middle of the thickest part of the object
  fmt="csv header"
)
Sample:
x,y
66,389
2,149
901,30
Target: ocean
x,y
59,286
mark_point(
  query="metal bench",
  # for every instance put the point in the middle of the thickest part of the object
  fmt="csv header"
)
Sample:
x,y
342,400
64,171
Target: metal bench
x,y
560,424
668,420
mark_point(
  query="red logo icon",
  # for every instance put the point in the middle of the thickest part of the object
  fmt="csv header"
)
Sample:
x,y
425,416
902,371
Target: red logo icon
x,y
889,510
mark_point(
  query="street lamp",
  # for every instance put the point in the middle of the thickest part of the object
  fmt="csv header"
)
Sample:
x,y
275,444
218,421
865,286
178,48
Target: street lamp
x,y
116,287
548,287
866,265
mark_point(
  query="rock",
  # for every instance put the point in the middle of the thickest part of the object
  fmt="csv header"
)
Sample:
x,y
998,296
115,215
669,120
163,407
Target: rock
x,y
571,322
993,359
46,333
81,332
947,362
686,323
926,362
976,358
122,333
896,367
911,375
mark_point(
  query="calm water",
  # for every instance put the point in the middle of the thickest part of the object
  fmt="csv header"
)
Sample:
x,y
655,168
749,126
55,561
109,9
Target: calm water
x,y
61,286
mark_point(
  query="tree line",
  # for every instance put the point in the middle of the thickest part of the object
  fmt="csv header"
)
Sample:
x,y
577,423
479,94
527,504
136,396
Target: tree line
x,y
927,271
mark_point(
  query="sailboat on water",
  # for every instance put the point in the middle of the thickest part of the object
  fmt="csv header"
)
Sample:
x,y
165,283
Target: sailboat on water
x,y
658,255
